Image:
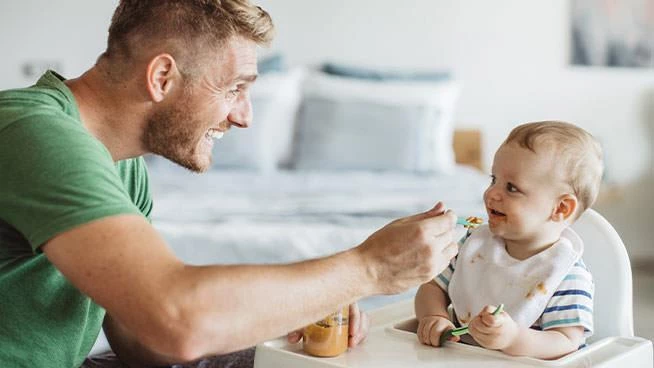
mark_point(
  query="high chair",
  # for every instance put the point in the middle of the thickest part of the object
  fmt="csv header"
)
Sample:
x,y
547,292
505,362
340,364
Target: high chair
x,y
392,341
607,260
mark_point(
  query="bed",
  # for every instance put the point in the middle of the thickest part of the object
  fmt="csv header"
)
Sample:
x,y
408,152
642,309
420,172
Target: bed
x,y
232,216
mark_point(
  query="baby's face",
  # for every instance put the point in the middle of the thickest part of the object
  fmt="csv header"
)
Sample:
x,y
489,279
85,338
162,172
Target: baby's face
x,y
524,192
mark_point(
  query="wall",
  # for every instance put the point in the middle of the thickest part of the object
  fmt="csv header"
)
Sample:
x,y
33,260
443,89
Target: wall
x,y
67,34
510,54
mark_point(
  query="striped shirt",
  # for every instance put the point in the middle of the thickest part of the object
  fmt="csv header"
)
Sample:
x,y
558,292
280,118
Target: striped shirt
x,y
570,305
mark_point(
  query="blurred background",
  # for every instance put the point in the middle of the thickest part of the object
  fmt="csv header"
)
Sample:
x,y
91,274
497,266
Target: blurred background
x,y
586,62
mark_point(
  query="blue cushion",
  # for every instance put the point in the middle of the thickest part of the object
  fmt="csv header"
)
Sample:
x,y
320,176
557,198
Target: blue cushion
x,y
384,75
271,64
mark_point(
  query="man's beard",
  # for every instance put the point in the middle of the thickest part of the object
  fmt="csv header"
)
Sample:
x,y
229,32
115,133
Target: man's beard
x,y
170,133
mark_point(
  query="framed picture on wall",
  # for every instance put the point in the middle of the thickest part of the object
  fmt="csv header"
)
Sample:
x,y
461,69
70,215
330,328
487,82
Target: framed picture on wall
x,y
613,33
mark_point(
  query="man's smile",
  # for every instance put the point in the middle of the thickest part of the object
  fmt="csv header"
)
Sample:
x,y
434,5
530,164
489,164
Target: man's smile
x,y
213,134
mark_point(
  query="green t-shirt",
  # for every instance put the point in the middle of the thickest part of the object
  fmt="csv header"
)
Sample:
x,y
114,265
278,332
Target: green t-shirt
x,y
54,176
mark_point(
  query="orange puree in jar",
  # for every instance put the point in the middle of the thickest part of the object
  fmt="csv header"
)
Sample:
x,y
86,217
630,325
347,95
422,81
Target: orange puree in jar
x,y
328,337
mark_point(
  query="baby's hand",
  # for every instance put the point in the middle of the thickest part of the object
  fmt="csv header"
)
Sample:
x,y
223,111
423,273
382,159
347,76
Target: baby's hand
x,y
493,332
430,329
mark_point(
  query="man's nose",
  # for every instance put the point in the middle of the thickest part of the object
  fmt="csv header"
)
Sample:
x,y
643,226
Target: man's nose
x,y
241,114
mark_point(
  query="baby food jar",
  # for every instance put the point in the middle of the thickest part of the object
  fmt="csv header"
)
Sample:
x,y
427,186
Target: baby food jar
x,y
328,337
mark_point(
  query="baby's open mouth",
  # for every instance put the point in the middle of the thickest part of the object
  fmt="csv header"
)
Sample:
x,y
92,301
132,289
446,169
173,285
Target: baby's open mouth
x,y
496,213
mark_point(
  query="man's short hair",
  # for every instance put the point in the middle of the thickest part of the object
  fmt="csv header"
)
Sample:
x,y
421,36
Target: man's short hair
x,y
184,28
575,148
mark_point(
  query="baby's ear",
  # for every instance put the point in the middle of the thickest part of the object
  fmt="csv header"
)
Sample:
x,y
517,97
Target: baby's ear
x,y
565,208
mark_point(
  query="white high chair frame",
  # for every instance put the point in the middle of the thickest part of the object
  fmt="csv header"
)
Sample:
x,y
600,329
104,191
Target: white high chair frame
x,y
392,342
606,258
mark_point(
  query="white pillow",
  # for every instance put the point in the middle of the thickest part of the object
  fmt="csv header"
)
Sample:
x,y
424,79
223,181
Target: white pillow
x,y
266,143
354,124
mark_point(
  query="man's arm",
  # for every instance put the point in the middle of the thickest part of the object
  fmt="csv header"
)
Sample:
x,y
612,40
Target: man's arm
x,y
183,312
130,351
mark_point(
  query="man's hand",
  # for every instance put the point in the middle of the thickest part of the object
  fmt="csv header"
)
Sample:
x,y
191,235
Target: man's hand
x,y
430,329
493,332
358,327
410,251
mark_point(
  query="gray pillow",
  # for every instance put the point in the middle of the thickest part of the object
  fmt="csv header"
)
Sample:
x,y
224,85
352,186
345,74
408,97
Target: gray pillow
x,y
362,135
355,124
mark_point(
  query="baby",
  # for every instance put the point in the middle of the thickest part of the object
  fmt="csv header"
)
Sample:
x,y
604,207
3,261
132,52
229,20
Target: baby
x,y
544,176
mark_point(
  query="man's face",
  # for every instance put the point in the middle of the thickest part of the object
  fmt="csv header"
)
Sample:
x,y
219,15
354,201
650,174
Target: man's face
x,y
184,127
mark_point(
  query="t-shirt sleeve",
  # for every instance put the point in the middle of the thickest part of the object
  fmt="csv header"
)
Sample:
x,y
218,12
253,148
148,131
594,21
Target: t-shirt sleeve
x,y
134,175
56,176
572,302
443,278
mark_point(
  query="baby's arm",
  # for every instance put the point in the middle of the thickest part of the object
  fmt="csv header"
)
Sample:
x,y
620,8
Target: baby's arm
x,y
431,311
502,333
572,301
431,300
551,344
431,306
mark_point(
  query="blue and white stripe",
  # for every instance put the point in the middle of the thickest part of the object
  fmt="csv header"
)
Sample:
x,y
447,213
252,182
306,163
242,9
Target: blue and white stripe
x,y
443,279
572,302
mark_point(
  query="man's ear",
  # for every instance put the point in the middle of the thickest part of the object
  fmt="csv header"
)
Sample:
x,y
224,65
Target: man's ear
x,y
162,76
565,208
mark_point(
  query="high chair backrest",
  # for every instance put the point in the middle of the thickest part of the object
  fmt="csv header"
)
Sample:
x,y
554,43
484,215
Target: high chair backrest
x,y
607,260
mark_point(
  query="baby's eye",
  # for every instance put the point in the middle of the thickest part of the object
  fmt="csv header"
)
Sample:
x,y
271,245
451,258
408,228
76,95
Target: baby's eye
x,y
511,188
492,179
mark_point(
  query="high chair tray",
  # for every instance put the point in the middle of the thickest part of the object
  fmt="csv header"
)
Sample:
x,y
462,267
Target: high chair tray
x,y
392,343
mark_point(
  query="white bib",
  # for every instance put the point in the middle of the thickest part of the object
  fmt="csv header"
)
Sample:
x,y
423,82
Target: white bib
x,y
485,274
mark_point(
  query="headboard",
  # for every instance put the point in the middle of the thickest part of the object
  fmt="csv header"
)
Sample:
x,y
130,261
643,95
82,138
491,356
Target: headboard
x,y
467,147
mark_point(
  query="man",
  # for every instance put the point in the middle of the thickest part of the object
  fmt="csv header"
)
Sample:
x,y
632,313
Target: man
x,y
77,250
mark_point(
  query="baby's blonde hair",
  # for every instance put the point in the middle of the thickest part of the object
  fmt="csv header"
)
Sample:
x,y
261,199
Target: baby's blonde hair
x,y
575,148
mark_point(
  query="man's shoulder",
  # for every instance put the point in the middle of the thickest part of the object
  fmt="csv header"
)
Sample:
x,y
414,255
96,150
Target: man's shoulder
x,y
35,95
49,96
34,105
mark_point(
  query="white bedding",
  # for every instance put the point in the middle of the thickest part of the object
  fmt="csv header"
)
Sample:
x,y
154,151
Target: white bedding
x,y
246,217
213,196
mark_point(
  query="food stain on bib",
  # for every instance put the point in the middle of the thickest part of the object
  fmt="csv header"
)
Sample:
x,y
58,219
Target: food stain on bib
x,y
538,289
478,256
